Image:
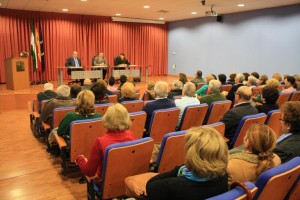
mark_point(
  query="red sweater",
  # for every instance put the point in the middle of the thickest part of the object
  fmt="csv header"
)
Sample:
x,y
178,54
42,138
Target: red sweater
x,y
95,161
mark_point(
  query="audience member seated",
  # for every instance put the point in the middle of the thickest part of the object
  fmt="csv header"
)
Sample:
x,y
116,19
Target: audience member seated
x,y
231,79
222,78
99,90
287,146
269,97
104,83
75,89
183,78
111,82
241,109
87,84
214,93
188,98
251,82
127,92
117,122
84,110
62,100
123,79
255,157
47,94
297,78
202,91
239,79
255,74
150,90
176,89
277,76
198,78
246,74
262,80
161,102
203,174
290,84
271,82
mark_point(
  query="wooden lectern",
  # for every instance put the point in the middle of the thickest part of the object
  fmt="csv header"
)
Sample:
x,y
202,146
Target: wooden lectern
x,y
16,73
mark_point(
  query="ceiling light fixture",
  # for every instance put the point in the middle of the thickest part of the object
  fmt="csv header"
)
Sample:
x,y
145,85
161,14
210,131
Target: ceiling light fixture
x,y
241,5
83,0
146,6
133,20
118,14
65,9
194,13
161,18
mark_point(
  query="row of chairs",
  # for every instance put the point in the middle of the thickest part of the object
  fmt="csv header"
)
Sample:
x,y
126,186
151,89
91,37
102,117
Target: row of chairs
x,y
135,160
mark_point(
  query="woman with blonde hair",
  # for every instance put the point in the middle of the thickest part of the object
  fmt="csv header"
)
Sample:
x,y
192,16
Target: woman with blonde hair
x,y
202,91
203,174
84,110
127,92
117,122
256,157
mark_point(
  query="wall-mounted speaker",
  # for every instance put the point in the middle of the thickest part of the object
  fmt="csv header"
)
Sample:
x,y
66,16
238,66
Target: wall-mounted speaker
x,y
220,18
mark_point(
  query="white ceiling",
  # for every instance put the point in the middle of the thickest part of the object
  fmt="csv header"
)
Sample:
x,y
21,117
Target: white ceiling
x,y
177,9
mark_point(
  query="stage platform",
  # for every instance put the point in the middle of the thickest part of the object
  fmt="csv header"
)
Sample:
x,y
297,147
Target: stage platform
x,y
18,99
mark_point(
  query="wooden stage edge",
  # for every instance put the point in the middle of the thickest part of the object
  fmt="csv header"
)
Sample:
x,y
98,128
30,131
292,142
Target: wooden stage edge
x,y
18,99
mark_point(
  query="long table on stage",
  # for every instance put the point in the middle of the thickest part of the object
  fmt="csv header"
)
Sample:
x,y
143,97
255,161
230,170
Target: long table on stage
x,y
131,71
92,72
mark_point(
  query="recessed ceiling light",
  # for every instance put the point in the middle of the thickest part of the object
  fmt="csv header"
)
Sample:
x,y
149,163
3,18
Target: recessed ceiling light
x,y
194,13
146,6
65,9
118,14
83,0
0,4
241,5
161,18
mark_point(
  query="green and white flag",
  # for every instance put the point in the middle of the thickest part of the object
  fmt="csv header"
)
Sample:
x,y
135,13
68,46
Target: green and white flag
x,y
33,48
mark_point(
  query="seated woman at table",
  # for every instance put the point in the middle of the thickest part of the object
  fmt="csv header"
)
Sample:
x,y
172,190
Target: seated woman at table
x,y
121,60
117,121
127,92
203,174
256,156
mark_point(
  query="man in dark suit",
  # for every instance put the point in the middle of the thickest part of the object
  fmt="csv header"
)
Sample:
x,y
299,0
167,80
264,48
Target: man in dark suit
x,y
121,60
74,61
239,78
241,109
161,102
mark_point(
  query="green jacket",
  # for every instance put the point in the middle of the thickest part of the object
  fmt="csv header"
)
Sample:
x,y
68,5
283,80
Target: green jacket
x,y
216,96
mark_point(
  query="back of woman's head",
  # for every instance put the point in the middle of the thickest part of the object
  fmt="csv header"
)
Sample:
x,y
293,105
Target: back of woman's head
x,y
116,118
85,103
291,116
183,78
262,141
99,90
206,152
270,94
150,85
127,90
292,81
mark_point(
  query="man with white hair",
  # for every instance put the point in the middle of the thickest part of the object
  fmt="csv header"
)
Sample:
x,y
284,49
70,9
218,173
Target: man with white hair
x,y
62,100
188,98
214,93
47,94
161,101
239,79
176,89
87,84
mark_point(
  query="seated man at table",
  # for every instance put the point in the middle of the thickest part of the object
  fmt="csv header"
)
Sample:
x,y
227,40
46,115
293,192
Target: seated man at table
x,y
62,100
161,102
121,60
100,60
74,61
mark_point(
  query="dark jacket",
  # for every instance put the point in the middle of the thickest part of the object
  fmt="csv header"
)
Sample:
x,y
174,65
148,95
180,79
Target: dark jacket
x,y
47,114
122,99
288,148
231,94
233,117
47,95
169,186
176,92
71,63
265,108
119,61
150,107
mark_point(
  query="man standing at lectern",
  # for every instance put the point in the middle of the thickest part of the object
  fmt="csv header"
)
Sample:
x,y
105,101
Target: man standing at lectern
x,y
74,61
